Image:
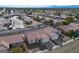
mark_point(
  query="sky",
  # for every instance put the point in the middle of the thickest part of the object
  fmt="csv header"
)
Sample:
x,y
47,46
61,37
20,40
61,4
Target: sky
x,y
39,2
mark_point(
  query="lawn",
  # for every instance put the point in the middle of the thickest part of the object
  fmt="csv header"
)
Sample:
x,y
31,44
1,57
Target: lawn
x,y
72,47
17,50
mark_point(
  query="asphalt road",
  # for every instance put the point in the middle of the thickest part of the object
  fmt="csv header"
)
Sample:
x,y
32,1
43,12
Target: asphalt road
x,y
18,31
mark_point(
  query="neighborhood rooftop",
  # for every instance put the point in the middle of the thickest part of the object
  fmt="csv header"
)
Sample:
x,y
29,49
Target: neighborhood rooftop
x,y
12,38
71,26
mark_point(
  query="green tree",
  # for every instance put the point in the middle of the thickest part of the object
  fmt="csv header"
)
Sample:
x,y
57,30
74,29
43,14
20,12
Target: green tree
x,y
50,22
28,23
38,19
70,33
68,20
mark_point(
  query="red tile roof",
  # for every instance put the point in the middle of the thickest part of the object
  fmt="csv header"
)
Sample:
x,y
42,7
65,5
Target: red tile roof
x,y
42,36
30,36
71,26
49,30
12,38
40,33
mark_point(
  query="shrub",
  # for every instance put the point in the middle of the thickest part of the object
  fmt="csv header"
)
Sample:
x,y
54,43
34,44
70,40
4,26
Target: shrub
x,y
50,22
17,50
70,33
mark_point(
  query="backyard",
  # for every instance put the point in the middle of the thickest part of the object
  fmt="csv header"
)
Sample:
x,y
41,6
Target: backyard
x,y
72,47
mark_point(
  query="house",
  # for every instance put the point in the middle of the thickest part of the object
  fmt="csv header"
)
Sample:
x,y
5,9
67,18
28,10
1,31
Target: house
x,y
39,37
33,36
2,10
5,20
16,23
54,35
63,16
3,49
30,37
50,32
3,23
12,12
29,22
44,35
71,26
56,21
35,24
44,41
2,26
11,40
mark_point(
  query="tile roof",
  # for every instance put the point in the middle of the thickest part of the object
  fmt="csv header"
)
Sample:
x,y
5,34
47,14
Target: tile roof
x,y
12,38
2,48
40,33
49,30
42,36
71,26
30,36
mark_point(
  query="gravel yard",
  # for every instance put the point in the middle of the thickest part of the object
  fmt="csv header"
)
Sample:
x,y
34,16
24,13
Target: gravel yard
x,y
72,47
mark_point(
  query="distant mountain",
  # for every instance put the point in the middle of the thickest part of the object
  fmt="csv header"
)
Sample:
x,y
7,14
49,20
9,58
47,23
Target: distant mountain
x,y
64,6
39,6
